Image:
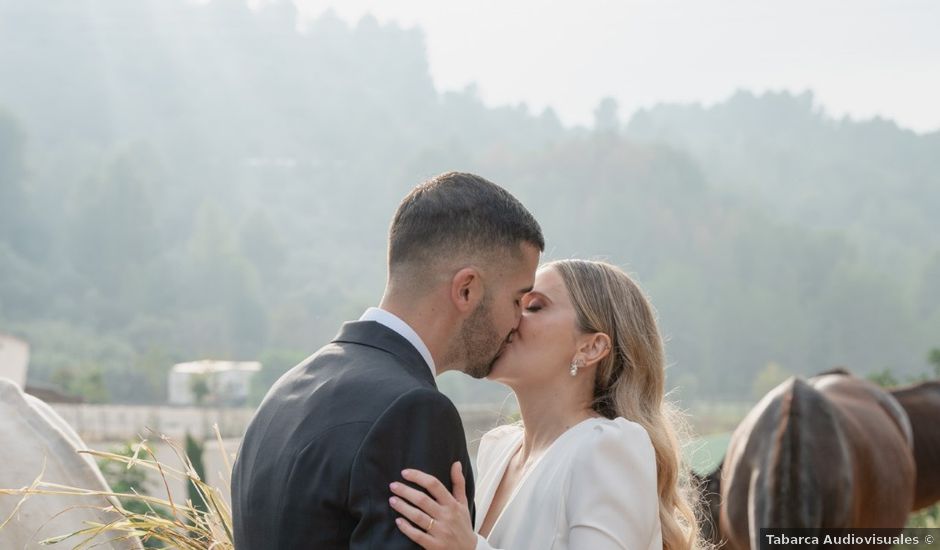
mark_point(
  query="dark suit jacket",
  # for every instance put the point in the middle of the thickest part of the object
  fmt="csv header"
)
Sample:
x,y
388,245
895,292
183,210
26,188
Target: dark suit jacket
x,y
316,461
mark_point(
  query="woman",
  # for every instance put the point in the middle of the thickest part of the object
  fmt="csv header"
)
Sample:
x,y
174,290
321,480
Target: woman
x,y
595,463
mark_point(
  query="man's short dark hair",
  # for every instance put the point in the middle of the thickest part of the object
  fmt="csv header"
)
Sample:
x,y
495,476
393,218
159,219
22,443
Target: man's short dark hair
x,y
458,213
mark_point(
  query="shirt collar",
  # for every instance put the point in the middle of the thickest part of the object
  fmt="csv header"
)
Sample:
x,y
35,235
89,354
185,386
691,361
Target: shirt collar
x,y
395,323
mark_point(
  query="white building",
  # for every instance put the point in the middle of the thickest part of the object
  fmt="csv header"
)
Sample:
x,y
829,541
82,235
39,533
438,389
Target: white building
x,y
14,358
224,382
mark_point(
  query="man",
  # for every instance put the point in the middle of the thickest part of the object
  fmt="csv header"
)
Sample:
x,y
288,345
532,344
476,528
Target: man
x,y
316,462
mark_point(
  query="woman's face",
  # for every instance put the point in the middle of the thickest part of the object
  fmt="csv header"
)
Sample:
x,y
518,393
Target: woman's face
x,y
543,347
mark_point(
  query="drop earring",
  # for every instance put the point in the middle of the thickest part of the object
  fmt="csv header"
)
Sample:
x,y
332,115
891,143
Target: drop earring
x,y
575,365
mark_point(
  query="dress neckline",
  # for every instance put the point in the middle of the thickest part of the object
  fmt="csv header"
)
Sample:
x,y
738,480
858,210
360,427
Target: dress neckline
x,y
504,465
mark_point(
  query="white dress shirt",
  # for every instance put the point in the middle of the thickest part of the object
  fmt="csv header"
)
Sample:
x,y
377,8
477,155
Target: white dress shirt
x,y
594,488
395,323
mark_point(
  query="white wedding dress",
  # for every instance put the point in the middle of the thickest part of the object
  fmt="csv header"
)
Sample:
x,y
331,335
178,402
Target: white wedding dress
x,y
594,488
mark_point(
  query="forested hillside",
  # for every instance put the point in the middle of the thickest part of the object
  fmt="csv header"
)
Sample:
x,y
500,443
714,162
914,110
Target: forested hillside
x,y
182,180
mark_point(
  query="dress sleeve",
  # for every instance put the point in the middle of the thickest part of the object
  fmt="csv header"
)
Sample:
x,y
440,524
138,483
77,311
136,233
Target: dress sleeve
x,y
612,501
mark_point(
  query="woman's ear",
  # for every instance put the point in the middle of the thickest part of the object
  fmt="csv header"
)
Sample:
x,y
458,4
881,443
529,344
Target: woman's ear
x,y
466,289
593,348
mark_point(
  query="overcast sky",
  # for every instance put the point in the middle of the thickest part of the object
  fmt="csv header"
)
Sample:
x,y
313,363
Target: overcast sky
x,y
860,57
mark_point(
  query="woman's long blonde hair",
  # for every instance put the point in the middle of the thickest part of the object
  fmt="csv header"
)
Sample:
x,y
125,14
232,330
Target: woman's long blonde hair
x,y
630,381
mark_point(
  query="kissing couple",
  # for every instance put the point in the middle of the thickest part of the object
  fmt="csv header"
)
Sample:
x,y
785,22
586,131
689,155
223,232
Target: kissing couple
x,y
355,448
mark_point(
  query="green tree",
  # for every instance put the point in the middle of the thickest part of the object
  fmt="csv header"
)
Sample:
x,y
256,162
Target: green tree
x,y
884,378
606,119
222,290
934,359
199,386
150,370
12,173
85,380
261,243
20,226
113,221
928,299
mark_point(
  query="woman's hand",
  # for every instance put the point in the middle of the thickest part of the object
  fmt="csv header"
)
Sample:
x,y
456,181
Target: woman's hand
x,y
443,522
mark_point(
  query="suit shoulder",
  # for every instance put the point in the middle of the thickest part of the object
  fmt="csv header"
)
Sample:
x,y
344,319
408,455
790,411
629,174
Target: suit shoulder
x,y
422,413
354,370
426,399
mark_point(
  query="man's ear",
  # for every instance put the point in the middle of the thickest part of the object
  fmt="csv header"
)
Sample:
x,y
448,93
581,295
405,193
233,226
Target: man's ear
x,y
593,348
466,289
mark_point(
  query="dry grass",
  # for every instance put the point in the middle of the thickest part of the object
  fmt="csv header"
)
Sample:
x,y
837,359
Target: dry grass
x,y
184,526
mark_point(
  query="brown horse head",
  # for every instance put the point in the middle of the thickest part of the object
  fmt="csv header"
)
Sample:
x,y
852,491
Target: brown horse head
x,y
922,404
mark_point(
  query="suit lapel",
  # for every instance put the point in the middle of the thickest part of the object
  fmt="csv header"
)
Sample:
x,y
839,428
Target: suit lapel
x,y
377,335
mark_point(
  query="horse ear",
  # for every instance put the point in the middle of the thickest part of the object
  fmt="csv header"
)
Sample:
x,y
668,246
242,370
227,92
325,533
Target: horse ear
x,y
836,370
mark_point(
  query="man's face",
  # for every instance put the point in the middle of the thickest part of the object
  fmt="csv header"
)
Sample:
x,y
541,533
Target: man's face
x,y
488,329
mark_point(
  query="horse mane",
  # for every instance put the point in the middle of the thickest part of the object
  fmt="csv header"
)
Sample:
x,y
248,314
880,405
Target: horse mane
x,y
784,468
804,413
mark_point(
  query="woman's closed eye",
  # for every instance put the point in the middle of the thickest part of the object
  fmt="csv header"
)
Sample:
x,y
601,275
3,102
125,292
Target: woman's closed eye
x,y
533,302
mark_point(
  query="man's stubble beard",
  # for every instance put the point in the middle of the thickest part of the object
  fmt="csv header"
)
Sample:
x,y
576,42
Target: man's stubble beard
x,y
478,342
